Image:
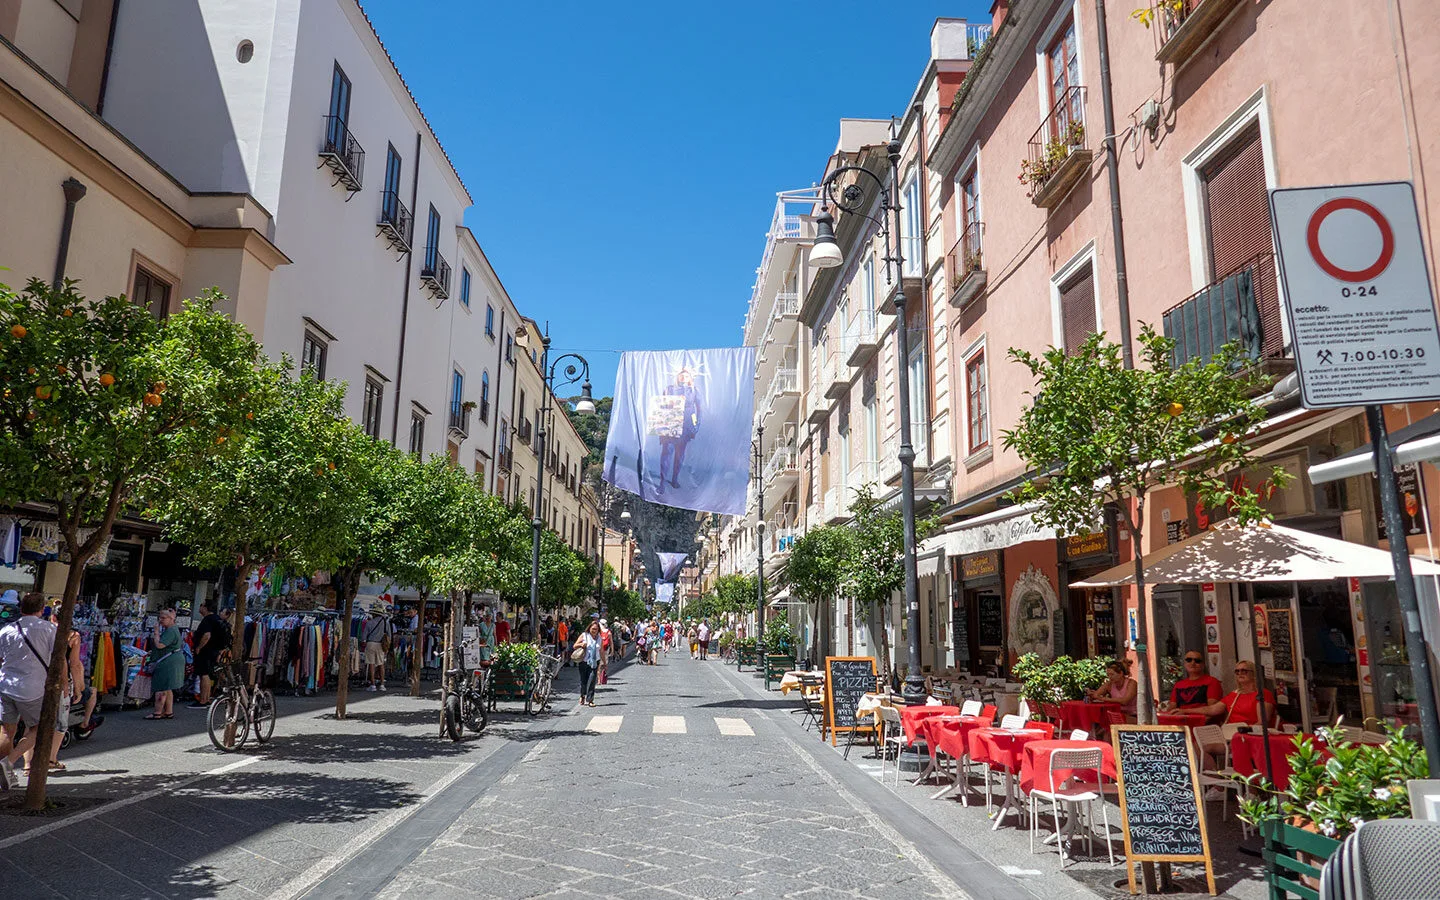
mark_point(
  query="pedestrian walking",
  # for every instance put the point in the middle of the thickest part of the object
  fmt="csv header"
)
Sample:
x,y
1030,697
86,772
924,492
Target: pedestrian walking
x,y
166,663
704,636
210,637
485,637
562,640
693,637
25,648
70,694
375,634
591,644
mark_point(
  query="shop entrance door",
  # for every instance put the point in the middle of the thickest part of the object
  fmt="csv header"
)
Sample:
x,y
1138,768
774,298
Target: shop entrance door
x,y
1284,660
1179,626
1327,634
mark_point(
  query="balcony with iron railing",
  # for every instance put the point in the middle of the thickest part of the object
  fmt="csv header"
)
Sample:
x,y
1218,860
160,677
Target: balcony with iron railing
x,y
1242,306
786,382
862,338
965,265
787,309
866,472
460,418
1059,155
836,509
835,371
435,273
1181,27
397,223
342,153
782,462
785,228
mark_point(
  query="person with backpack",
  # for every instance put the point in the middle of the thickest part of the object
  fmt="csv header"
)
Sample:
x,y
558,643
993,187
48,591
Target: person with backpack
x,y
25,648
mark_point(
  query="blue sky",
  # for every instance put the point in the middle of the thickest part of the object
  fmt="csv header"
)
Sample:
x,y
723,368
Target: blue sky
x,y
624,157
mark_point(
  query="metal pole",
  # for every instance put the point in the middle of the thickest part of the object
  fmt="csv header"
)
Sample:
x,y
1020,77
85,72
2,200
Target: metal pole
x,y
536,523
1405,587
600,600
760,555
914,689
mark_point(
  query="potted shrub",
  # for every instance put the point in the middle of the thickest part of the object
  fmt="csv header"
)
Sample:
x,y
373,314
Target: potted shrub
x,y
513,666
1328,796
1063,679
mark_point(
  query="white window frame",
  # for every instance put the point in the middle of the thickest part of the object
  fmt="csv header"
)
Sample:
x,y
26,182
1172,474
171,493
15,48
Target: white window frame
x,y
911,219
974,456
1077,262
1042,53
867,272
1254,109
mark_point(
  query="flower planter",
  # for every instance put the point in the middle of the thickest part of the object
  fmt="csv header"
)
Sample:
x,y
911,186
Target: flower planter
x,y
1293,858
506,684
1184,40
1057,185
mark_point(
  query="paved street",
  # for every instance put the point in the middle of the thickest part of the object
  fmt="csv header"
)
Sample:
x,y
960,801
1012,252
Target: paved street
x,y
681,783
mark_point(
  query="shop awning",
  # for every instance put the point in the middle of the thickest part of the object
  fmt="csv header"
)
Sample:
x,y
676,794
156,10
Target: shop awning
x,y
930,564
1416,442
996,530
1235,553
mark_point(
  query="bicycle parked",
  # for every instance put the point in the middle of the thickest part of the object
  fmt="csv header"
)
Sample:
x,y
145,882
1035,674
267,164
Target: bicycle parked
x,y
464,703
240,709
545,683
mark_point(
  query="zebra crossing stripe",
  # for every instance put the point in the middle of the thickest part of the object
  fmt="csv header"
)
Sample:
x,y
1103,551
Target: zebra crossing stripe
x,y
604,724
669,725
734,727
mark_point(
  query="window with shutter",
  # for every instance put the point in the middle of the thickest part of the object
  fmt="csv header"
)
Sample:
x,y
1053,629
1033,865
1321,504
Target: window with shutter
x,y
1077,308
1237,225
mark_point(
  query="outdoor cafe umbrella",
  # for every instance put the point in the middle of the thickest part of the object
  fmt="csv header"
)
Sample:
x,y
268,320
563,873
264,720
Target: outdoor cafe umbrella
x,y
1257,552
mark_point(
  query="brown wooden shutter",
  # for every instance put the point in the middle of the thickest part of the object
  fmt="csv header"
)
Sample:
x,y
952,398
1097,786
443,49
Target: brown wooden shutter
x,y
1237,213
1077,308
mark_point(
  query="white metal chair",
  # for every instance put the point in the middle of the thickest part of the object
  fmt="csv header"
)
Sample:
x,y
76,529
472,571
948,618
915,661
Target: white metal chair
x,y
970,708
944,693
1077,761
1389,859
1210,742
1079,734
1024,710
892,733
1012,721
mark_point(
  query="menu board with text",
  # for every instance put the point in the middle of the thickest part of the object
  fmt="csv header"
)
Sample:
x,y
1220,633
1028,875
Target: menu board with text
x,y
1161,803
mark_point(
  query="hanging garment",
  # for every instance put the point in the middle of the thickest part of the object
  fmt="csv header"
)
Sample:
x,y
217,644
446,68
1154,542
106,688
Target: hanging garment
x,y
9,541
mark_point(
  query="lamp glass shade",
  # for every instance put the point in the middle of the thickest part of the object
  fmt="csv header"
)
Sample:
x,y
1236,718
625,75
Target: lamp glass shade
x,y
825,256
625,513
584,405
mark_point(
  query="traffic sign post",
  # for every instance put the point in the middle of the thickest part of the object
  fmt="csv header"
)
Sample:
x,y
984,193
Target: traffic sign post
x,y
1364,332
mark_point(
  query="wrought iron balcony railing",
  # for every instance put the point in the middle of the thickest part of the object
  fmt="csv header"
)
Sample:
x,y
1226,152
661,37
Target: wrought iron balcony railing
x,y
1243,306
460,418
435,273
1058,149
343,154
397,223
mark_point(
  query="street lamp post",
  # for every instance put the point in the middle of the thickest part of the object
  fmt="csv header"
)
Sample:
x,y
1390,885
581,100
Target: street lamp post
x,y
605,500
760,551
825,254
577,369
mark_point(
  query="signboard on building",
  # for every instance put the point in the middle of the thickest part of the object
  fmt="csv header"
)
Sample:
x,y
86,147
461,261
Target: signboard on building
x,y
1094,543
1411,489
980,565
1357,294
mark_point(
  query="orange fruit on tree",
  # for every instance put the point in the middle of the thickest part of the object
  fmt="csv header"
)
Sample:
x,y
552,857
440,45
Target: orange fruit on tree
x,y
61,369
1229,439
152,399
30,416
107,379
1174,408
68,313
43,392
30,370
18,331
159,387
250,415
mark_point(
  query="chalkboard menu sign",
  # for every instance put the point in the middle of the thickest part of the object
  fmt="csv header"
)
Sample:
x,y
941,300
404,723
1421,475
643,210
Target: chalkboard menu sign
x,y
1160,798
1282,639
959,624
847,679
992,620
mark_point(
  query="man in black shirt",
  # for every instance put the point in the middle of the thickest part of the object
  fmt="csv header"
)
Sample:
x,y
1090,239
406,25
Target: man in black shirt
x,y
211,636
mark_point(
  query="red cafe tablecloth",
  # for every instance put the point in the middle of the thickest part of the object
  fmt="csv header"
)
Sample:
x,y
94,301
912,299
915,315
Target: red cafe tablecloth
x,y
1035,767
1246,758
951,733
1001,749
1189,720
1084,714
911,716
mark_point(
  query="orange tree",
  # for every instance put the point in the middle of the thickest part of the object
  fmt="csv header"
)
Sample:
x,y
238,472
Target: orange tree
x,y
100,402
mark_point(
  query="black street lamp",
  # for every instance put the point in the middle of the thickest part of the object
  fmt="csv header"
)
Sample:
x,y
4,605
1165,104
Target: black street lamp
x,y
606,498
853,198
760,549
576,370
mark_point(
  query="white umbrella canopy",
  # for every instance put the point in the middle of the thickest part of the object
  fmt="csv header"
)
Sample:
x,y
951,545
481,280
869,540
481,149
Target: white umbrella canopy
x,y
1258,552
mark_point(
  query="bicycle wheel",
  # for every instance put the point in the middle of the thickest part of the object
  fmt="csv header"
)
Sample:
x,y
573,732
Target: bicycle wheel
x,y
472,712
450,716
543,688
263,714
227,723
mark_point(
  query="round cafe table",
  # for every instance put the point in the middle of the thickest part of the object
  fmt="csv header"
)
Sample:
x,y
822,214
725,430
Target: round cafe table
x,y
1188,719
1086,714
1002,748
911,718
1035,766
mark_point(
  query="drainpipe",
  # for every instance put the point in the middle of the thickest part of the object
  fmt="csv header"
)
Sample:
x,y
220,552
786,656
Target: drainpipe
x,y
74,191
405,300
1117,227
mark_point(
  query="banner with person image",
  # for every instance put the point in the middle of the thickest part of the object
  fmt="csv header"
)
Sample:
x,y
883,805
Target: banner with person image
x,y
680,427
671,564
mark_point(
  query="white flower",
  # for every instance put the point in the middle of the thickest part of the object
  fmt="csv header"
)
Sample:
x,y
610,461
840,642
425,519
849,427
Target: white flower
x,y
1327,828
1382,793
1356,821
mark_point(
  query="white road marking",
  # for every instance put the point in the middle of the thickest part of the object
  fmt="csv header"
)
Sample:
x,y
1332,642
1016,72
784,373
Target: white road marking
x,y
669,725
354,847
94,811
604,724
734,727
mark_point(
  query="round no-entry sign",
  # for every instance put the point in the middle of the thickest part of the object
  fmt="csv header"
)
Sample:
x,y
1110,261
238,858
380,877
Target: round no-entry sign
x,y
1354,276
1357,294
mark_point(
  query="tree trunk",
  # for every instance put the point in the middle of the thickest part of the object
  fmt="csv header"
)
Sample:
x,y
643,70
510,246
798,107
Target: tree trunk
x,y
243,568
458,604
50,708
1144,707
417,653
345,592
